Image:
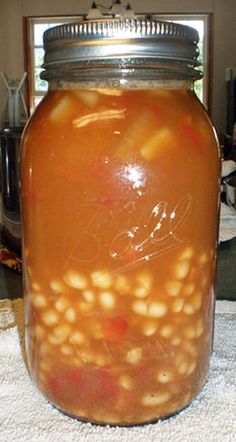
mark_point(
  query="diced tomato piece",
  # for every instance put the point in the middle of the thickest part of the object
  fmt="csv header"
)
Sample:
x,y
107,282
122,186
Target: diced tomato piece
x,y
192,136
114,329
82,385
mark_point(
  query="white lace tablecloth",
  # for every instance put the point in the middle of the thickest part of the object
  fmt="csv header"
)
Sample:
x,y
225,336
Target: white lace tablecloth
x,y
25,416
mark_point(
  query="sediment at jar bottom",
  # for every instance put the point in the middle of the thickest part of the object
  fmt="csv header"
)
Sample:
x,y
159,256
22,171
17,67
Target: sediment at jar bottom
x,y
113,419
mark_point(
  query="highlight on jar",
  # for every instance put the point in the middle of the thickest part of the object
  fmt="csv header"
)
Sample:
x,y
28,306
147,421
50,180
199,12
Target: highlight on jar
x,y
120,184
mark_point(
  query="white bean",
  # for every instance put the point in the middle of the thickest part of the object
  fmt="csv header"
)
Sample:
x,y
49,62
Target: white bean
x,y
164,376
56,286
145,280
101,279
62,304
70,315
66,349
192,366
100,360
75,280
39,331
157,309
86,356
50,317
134,356
199,328
197,300
149,327
188,289
126,382
155,399
140,307
56,340
177,305
167,331
182,368
176,341
36,286
122,285
107,300
62,330
39,300
173,288
190,348
187,253
181,269
188,309
141,292
89,296
77,337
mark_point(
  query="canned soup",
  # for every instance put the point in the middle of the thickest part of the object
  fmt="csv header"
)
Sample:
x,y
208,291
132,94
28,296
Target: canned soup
x,y
119,245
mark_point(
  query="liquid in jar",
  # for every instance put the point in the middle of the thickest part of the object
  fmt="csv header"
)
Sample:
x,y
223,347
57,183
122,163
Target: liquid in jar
x,y
120,196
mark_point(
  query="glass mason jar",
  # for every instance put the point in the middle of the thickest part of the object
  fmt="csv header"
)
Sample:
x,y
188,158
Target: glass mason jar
x,y
120,183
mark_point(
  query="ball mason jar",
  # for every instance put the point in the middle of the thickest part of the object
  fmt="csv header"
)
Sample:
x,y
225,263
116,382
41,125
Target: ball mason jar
x,y
120,183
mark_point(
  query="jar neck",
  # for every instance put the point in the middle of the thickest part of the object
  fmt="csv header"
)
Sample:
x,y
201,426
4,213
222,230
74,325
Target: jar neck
x,y
122,83
124,71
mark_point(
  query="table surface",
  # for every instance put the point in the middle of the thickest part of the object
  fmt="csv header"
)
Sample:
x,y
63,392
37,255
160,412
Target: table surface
x,y
11,283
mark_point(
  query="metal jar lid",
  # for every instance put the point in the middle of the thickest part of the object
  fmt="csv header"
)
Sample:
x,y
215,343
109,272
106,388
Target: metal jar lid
x,y
119,42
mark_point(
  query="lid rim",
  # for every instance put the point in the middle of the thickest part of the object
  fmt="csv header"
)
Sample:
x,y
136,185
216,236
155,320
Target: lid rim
x,y
106,39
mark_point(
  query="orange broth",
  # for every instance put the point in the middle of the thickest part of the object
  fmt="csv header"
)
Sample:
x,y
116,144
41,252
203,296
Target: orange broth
x,y
120,195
